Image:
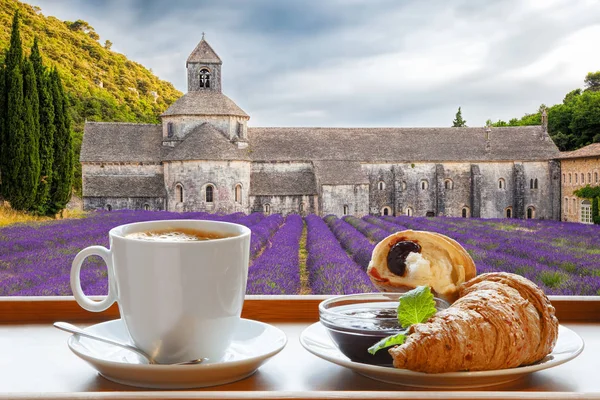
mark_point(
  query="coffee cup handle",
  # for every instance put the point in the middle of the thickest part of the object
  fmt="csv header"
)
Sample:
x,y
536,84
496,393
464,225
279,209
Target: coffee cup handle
x,y
82,299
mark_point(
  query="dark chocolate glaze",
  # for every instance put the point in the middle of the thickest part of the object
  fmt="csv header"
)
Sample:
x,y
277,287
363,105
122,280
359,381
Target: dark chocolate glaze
x,y
396,258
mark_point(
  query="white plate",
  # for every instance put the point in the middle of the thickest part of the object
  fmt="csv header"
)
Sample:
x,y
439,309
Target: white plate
x,y
253,344
316,340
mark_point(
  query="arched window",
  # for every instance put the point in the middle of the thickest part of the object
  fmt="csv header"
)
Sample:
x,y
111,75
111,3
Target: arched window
x,y
501,184
346,209
409,211
566,205
530,212
564,178
508,212
403,185
586,212
146,207
576,178
204,78
170,129
267,208
386,211
570,178
465,212
582,177
381,185
573,206
535,183
424,184
179,193
448,184
238,193
531,184
595,177
302,207
208,195
108,207
589,177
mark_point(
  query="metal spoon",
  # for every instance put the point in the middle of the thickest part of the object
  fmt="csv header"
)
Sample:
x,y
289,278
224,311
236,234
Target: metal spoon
x,y
67,327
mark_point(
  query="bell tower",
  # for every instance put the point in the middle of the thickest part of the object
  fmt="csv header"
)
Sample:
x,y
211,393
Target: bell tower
x,y
204,68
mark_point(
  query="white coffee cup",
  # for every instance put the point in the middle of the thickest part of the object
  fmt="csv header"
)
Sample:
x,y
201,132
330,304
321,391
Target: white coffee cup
x,y
179,300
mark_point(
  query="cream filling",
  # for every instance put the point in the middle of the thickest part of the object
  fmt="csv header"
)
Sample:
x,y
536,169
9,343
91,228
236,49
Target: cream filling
x,y
421,271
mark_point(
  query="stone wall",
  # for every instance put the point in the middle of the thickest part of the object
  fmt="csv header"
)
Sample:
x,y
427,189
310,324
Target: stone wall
x,y
123,203
571,204
121,169
285,205
193,72
335,197
195,176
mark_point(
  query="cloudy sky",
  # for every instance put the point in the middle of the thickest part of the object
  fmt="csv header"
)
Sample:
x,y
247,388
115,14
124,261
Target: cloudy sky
x,y
362,62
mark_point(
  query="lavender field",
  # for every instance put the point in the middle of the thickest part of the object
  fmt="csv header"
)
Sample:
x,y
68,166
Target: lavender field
x,y
310,255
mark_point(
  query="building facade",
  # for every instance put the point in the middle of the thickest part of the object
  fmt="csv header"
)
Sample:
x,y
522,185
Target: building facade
x,y
579,168
205,157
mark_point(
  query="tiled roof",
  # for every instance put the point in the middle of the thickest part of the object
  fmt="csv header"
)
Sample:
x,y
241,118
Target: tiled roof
x,y
121,142
525,143
592,150
123,186
204,102
205,142
204,53
276,183
340,173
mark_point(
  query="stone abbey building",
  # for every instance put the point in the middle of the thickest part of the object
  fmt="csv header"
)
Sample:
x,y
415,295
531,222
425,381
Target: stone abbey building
x,y
205,157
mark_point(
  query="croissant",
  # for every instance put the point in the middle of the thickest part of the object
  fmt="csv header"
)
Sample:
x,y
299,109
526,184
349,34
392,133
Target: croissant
x,y
501,320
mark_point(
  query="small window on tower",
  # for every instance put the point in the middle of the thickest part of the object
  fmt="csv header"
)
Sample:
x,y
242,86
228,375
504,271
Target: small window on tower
x,y
204,78
170,129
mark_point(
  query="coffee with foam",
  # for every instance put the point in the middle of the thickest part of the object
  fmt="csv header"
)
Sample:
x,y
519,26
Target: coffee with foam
x,y
177,235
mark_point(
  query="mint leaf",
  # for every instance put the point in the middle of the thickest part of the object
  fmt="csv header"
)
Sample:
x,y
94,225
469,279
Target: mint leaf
x,y
389,341
416,306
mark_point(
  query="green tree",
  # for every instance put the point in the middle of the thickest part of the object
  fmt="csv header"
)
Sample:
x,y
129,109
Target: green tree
x,y
592,81
23,191
62,177
13,132
459,122
47,129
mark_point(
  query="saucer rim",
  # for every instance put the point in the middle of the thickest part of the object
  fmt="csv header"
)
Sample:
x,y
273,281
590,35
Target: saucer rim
x,y
364,369
156,367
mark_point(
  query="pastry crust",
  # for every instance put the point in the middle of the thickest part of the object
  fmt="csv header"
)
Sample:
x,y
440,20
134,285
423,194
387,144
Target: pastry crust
x,y
450,264
501,320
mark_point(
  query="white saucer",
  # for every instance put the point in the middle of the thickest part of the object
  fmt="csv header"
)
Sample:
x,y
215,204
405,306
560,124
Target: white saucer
x,y
253,344
316,340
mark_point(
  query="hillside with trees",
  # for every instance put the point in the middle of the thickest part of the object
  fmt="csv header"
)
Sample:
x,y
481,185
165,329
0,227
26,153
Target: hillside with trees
x,y
575,122
100,84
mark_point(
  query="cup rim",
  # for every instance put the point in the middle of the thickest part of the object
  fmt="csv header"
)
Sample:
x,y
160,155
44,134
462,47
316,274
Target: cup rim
x,y
115,232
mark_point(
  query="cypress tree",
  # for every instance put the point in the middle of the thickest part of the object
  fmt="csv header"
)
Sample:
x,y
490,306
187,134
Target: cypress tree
x,y
13,133
47,129
24,190
62,176
2,117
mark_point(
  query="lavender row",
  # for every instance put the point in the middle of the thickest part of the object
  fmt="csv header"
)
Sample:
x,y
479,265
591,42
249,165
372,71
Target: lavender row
x,y
354,242
41,266
374,233
277,270
519,254
262,232
330,270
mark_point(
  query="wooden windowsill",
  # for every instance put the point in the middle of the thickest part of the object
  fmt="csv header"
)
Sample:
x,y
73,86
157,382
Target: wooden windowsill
x,y
35,361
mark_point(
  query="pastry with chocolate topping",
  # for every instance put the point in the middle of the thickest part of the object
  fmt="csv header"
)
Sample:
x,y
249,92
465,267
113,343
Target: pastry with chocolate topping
x,y
407,259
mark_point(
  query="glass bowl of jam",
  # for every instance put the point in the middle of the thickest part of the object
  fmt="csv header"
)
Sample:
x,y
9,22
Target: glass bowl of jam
x,y
355,322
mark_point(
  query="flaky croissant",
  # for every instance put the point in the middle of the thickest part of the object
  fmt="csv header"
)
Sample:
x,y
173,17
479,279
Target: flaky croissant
x,y
501,320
